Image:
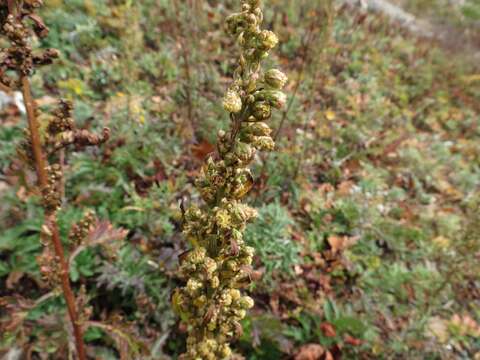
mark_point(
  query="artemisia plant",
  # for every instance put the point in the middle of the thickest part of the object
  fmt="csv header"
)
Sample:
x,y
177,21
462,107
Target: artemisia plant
x,y
41,150
218,265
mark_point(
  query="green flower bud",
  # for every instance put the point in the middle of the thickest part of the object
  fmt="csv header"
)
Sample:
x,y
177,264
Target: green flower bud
x,y
244,152
261,111
254,3
204,348
200,301
257,129
275,79
240,313
232,102
275,98
264,143
231,265
233,23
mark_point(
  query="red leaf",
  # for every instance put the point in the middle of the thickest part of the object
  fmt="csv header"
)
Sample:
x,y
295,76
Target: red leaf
x,y
328,329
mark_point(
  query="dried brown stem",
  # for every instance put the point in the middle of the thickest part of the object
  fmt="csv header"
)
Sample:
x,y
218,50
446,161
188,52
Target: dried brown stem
x,y
50,220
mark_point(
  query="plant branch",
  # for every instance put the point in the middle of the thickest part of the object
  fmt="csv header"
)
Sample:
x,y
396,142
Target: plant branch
x,y
51,221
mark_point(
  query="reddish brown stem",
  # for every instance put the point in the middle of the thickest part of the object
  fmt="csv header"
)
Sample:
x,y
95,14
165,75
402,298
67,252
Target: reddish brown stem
x,y
41,164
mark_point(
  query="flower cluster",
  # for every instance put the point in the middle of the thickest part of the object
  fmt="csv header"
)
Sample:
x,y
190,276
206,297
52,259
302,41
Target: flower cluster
x,y
62,131
20,57
218,266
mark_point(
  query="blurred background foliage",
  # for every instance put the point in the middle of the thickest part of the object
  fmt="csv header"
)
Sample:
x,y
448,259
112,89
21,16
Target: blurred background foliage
x,y
368,235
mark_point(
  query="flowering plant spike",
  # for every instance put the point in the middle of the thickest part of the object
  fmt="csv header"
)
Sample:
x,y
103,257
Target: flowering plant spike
x,y
218,265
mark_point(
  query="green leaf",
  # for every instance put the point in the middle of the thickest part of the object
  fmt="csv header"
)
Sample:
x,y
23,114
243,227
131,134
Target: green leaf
x,y
330,310
92,334
349,324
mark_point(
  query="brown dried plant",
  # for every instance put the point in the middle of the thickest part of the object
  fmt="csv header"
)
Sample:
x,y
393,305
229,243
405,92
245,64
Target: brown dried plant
x,y
19,24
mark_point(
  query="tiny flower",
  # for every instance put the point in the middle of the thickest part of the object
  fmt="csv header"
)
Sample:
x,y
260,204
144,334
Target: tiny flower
x,y
264,143
258,129
261,110
275,79
240,313
275,98
223,219
210,265
232,102
192,286
268,39
225,351
197,255
246,302
244,152
235,294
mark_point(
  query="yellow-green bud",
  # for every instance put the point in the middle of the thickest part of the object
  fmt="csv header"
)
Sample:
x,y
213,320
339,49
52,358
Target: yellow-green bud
x,y
222,218
210,265
268,39
232,102
246,302
235,294
226,299
244,152
275,79
200,301
246,260
264,143
214,282
197,255
275,98
240,313
232,265
257,129
193,286
249,251
261,110
225,351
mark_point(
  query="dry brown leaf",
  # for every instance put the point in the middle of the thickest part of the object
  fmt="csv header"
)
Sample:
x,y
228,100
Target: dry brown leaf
x,y
310,352
328,330
339,243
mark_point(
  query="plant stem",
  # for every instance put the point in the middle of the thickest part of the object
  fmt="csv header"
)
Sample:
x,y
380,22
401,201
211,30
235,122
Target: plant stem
x,y
41,164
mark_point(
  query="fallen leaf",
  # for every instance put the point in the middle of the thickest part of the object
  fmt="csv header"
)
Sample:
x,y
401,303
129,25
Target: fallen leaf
x,y
310,352
328,330
352,341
